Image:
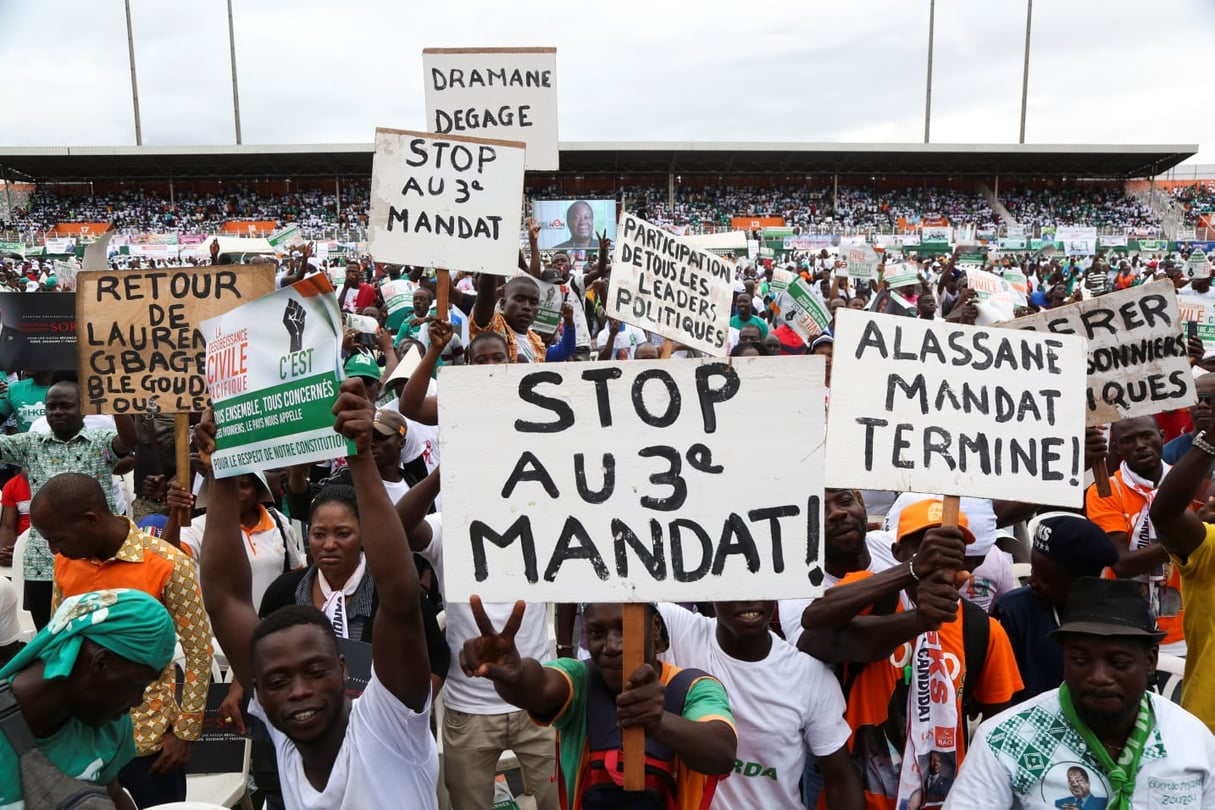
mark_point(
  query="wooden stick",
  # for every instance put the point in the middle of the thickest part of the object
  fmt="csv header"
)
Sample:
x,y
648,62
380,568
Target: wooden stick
x,y
181,441
951,508
634,657
443,293
1101,474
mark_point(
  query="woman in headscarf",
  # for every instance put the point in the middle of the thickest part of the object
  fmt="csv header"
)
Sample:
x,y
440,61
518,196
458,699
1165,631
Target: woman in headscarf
x,y
77,681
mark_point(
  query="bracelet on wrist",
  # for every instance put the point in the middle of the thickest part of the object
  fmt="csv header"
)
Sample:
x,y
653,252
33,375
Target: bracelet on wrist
x,y
1200,441
911,569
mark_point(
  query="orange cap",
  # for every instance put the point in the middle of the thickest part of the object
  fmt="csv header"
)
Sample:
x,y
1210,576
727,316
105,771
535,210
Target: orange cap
x,y
926,514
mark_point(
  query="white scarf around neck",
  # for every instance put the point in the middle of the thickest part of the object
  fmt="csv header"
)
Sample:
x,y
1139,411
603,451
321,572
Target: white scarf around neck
x,y
335,600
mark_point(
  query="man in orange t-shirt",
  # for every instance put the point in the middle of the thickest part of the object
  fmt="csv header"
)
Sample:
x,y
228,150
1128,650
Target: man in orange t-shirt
x,y
901,626
1124,517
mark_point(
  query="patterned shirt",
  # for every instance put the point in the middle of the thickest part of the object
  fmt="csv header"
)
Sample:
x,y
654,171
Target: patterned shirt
x,y
146,563
44,456
498,324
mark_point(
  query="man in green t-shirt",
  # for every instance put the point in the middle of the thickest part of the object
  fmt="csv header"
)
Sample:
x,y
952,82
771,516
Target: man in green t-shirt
x,y
25,400
745,314
699,743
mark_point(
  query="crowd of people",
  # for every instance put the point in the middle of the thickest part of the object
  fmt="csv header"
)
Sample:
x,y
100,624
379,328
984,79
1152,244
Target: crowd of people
x,y
138,211
817,207
1043,695
1195,201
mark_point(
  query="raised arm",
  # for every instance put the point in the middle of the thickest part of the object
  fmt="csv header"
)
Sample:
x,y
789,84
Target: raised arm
x,y
124,443
601,266
487,296
414,402
227,582
533,245
412,509
398,641
1180,530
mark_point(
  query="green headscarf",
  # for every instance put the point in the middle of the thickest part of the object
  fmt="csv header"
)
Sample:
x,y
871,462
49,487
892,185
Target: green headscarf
x,y
129,623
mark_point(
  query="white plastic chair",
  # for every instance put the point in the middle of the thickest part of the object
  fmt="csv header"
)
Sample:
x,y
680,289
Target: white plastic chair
x,y
1021,572
18,578
224,789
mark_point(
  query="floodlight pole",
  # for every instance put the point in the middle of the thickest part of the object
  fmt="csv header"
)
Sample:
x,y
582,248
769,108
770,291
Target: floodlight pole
x,y
932,15
1029,20
134,84
235,93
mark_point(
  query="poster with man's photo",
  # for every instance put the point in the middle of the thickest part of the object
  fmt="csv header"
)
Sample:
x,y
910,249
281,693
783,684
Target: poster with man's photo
x,y
574,224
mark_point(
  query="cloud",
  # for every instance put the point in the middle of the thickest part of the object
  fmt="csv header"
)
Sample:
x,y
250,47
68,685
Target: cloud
x,y
320,72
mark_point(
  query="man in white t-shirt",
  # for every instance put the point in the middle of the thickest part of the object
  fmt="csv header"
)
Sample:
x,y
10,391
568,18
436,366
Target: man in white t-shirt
x,y
333,753
478,725
10,621
785,705
618,340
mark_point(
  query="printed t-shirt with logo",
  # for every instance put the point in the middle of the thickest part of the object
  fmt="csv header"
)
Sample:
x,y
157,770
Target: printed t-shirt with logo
x,y
25,402
1121,512
868,713
1031,757
784,705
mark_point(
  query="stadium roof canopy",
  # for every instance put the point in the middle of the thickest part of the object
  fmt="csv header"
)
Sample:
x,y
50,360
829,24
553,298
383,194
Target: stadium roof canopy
x,y
62,164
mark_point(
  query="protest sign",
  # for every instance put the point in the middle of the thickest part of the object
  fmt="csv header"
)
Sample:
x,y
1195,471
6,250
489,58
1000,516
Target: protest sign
x,y
274,366
929,406
902,274
995,298
862,262
781,279
1199,311
506,93
139,339
445,201
1137,364
802,310
574,224
38,330
663,285
1197,266
1077,240
398,300
1020,285
548,315
626,482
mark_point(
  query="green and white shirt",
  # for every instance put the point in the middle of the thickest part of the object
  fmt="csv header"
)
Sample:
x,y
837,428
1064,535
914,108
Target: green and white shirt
x,y
1031,757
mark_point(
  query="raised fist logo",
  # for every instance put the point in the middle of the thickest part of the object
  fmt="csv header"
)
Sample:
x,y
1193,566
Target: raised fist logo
x,y
293,319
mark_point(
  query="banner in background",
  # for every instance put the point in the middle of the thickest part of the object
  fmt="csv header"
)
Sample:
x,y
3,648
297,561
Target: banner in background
x,y
38,330
574,224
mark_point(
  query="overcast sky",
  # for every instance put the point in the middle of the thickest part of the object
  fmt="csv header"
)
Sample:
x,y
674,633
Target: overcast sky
x,y
1117,71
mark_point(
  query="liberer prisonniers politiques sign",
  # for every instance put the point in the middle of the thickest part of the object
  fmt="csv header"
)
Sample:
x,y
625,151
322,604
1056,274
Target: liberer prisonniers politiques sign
x,y
274,367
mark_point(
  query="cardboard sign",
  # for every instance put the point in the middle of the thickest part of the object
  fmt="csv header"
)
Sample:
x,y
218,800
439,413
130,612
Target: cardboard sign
x,y
548,315
1200,311
1197,266
139,338
929,406
661,284
995,299
626,482
38,330
507,93
274,366
446,201
97,255
1137,364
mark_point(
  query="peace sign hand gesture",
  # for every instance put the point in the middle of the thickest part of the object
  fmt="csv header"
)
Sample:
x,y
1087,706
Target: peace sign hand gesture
x,y
493,655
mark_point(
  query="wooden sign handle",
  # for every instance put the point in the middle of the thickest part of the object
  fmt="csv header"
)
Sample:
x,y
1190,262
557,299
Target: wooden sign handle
x,y
951,510
443,293
1101,475
181,443
634,657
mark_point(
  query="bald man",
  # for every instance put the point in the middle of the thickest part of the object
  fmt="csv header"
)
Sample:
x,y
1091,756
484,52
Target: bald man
x,y
98,550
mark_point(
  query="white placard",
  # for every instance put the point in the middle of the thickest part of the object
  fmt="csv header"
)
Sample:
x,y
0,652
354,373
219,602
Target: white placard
x,y
1137,363
626,482
664,285
446,201
505,93
929,406
862,262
